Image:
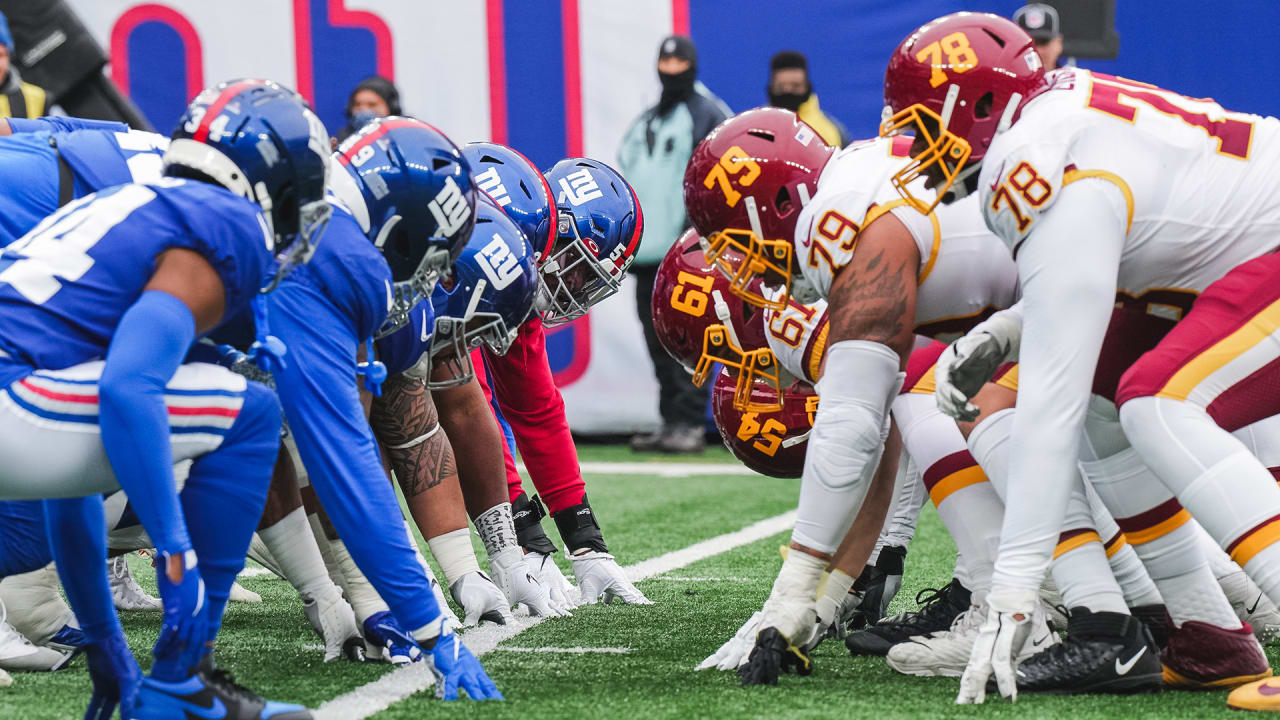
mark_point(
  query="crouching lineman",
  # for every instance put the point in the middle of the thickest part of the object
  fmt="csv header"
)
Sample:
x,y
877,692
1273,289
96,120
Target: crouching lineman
x,y
1079,174
140,288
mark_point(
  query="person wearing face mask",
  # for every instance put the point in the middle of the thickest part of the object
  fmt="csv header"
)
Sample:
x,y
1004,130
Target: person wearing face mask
x,y
653,156
373,98
789,87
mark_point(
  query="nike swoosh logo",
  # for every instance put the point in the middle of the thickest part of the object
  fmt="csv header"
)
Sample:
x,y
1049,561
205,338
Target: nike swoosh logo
x,y
1123,668
1255,604
998,177
1268,690
1041,641
216,710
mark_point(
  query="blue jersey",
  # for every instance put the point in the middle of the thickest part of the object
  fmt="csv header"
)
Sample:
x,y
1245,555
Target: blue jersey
x,y
30,182
323,311
403,348
66,284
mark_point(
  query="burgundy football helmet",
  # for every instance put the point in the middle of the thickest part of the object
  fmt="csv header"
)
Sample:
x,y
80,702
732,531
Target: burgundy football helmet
x,y
953,84
700,322
744,188
771,443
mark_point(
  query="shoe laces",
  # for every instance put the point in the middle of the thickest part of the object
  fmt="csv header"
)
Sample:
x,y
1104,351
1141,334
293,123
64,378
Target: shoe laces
x,y
226,683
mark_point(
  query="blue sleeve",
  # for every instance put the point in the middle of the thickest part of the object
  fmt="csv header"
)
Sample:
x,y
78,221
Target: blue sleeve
x,y
77,529
149,345
321,401
63,124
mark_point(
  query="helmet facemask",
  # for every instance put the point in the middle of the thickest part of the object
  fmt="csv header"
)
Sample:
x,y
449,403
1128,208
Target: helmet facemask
x,y
572,279
719,345
742,256
936,153
406,294
454,338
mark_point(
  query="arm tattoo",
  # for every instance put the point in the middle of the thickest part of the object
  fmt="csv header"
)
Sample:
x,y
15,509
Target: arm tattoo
x,y
404,413
874,303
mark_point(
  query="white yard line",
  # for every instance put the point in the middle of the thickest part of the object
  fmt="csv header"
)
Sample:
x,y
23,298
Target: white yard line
x,y
399,684
566,650
661,469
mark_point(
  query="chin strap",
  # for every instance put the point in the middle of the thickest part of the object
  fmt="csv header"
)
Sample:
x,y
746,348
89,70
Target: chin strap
x,y
374,371
267,350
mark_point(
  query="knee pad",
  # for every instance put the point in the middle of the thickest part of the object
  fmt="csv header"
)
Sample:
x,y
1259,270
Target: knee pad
x,y
846,435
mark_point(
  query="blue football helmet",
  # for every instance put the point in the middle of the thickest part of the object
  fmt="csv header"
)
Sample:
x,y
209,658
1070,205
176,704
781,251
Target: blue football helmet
x,y
598,230
411,190
261,141
488,296
519,189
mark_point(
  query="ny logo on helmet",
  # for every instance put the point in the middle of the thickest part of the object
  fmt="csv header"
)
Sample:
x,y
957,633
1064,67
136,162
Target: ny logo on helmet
x,y
490,182
579,187
450,208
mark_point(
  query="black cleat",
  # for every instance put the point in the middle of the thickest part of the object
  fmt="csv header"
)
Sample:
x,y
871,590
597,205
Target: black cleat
x,y
1103,652
773,655
940,608
878,584
1157,620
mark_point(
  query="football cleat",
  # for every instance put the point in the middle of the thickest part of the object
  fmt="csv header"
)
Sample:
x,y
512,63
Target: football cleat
x,y
773,655
1252,606
1157,620
879,584
1200,656
1104,652
334,621
241,594
210,693
69,639
946,654
1260,695
19,654
939,609
125,591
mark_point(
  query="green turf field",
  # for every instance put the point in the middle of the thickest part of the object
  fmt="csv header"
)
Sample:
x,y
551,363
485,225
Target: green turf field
x,y
272,649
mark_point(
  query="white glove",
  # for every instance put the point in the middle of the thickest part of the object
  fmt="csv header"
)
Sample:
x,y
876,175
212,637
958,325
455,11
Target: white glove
x,y
1008,623
480,599
736,650
449,616
833,596
520,586
562,592
598,575
968,363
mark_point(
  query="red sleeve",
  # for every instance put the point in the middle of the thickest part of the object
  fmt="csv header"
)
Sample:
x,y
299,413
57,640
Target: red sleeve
x,y
515,484
532,405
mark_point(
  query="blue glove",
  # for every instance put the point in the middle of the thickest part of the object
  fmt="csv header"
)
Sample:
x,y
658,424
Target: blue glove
x,y
455,667
115,676
381,629
185,627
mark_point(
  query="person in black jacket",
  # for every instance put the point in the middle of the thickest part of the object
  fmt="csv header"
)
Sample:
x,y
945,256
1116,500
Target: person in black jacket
x,y
373,98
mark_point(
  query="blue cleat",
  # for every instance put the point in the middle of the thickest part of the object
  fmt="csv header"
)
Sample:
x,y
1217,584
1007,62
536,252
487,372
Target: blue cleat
x,y
211,694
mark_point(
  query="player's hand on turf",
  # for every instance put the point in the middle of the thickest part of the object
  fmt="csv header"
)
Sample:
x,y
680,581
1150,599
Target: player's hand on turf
x,y
184,628
1008,623
599,577
736,649
480,599
520,586
382,630
561,591
115,677
455,667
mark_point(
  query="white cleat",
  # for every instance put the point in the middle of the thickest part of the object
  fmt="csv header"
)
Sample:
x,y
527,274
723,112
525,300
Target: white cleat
x,y
18,654
334,621
946,654
5,679
240,594
125,591
1252,606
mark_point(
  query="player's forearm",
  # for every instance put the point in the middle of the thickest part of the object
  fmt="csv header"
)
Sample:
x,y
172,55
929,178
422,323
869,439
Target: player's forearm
x,y
148,347
1070,261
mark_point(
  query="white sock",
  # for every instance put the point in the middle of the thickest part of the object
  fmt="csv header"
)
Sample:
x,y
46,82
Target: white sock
x,y
365,601
1135,583
497,529
1083,577
294,550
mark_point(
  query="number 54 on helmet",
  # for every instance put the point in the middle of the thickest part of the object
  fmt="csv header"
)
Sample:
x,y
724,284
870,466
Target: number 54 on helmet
x,y
771,442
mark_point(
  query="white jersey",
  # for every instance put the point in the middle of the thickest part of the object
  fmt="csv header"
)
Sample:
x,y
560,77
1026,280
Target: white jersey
x,y
965,271
1199,181
797,337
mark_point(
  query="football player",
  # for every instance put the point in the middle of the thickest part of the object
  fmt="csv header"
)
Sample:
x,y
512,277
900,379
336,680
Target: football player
x,y
142,286
1103,186
404,209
